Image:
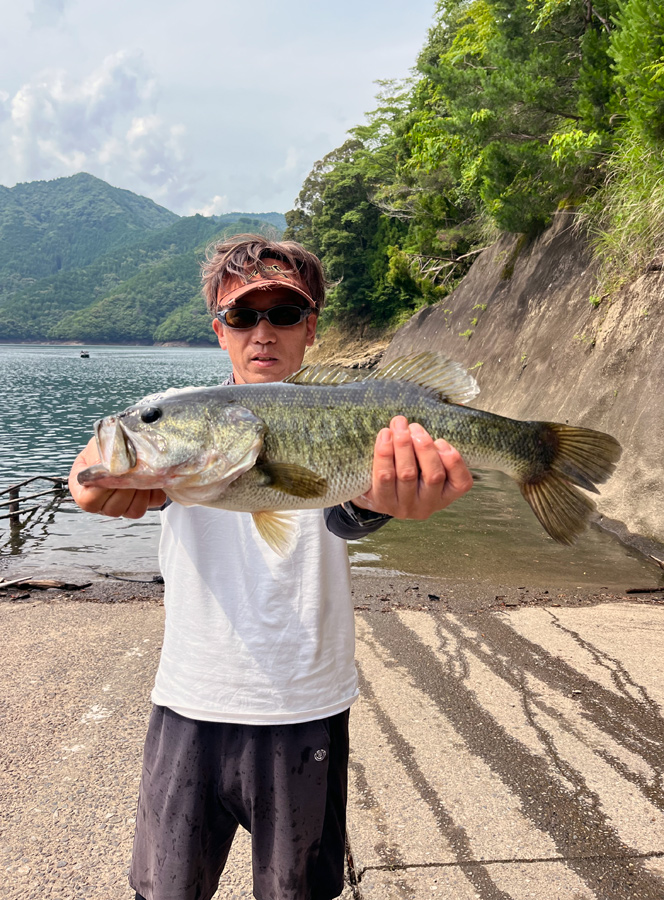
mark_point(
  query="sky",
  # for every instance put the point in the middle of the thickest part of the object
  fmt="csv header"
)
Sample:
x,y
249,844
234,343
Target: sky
x,y
207,106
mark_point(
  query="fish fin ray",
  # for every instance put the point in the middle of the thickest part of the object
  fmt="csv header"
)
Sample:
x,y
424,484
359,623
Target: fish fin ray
x,y
584,458
433,371
562,509
293,479
447,379
319,374
278,529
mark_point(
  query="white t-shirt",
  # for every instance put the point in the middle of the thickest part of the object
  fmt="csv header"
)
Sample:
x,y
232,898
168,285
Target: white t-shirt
x,y
250,637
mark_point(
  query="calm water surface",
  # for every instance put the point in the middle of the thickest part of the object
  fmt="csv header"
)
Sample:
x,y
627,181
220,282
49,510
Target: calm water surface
x,y
51,397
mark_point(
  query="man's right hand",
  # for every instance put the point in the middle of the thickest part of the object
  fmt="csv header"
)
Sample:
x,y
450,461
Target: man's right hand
x,y
127,502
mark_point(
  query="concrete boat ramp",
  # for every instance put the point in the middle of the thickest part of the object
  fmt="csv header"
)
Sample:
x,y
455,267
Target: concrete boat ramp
x,y
505,753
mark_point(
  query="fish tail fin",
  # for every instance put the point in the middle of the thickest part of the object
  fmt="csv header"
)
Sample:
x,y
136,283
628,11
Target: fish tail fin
x,y
582,458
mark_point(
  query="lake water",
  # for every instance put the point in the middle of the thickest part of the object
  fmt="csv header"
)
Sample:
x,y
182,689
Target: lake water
x,y
51,397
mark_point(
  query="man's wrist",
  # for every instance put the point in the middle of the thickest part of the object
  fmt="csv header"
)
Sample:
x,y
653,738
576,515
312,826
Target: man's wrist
x,y
362,516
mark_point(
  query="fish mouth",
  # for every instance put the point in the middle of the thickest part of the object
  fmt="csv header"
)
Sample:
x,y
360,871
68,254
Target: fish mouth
x,y
116,450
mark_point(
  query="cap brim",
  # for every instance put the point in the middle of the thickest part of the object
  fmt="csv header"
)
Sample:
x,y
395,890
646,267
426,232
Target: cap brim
x,y
264,284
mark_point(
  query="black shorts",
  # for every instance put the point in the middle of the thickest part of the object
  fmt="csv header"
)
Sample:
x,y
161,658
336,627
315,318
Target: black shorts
x,y
286,784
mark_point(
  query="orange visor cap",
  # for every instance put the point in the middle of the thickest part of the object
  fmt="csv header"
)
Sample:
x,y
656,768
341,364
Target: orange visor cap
x,y
259,281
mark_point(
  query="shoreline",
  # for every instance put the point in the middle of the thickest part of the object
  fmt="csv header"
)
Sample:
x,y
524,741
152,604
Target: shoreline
x,y
180,344
373,591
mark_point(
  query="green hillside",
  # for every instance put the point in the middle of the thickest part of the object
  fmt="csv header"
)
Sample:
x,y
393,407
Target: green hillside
x,y
93,263
52,226
270,218
132,311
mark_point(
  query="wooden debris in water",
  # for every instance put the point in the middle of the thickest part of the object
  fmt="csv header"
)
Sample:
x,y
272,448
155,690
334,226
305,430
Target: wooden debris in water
x,y
13,501
42,584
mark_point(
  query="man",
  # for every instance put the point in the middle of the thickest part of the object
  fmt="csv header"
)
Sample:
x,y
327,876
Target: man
x,y
250,717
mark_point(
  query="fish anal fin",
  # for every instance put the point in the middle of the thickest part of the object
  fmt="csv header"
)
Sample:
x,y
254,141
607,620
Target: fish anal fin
x,y
292,479
430,370
279,530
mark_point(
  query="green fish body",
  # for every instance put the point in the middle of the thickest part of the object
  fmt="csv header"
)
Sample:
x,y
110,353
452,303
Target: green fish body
x,y
309,441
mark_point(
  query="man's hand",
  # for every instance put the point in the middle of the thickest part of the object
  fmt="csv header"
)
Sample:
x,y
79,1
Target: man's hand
x,y
128,503
413,475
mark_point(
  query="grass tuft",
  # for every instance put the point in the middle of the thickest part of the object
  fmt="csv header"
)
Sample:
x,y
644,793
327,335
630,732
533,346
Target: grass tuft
x,y
625,218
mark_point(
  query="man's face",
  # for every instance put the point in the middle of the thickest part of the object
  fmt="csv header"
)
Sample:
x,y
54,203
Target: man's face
x,y
266,352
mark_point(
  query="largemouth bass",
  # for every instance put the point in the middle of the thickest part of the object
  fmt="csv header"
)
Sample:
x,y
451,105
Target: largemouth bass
x,y
308,442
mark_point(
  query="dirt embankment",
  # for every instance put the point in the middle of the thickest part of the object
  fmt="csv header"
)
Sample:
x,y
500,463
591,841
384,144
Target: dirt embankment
x,y
526,320
358,350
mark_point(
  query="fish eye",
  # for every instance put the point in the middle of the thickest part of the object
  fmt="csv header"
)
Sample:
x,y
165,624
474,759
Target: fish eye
x,y
151,414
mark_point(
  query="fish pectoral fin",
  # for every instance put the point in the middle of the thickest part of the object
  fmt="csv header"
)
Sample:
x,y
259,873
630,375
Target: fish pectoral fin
x,y
279,530
292,479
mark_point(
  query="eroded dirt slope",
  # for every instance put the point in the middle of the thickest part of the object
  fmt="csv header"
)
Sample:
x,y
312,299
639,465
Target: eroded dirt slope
x,y
522,320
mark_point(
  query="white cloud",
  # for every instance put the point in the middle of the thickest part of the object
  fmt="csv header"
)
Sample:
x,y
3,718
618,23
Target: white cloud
x,y
293,161
46,13
256,119
216,207
5,107
106,124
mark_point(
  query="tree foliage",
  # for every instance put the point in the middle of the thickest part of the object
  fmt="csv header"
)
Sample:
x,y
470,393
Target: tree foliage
x,y
637,46
517,108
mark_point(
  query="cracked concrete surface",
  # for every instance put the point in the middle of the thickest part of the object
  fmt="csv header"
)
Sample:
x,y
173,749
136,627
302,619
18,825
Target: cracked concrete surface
x,y
496,754
509,755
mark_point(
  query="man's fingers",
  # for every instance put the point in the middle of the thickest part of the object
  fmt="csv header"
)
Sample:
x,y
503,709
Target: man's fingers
x,y
130,503
382,482
138,506
429,460
157,498
405,462
413,475
459,480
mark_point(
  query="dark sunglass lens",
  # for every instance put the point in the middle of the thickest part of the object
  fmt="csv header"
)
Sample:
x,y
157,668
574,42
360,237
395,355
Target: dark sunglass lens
x,y
285,315
241,317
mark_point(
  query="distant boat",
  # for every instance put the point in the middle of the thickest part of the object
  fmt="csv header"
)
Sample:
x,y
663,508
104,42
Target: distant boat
x,y
85,354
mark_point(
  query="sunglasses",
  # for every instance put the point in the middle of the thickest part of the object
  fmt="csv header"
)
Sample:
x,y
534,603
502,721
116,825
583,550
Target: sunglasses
x,y
279,316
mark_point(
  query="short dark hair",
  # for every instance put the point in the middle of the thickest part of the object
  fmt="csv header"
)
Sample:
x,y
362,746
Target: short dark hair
x,y
241,255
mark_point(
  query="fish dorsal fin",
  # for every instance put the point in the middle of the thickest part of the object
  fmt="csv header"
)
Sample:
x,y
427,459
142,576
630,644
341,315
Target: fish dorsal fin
x,y
434,371
325,375
430,370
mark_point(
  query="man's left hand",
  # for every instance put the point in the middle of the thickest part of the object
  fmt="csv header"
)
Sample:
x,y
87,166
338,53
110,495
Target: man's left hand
x,y
413,475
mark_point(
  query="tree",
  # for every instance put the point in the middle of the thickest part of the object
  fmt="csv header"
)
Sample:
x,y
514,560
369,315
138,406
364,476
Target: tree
x,y
637,46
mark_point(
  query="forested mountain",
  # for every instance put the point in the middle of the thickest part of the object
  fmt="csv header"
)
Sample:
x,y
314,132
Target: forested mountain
x,y
516,109
51,226
81,260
